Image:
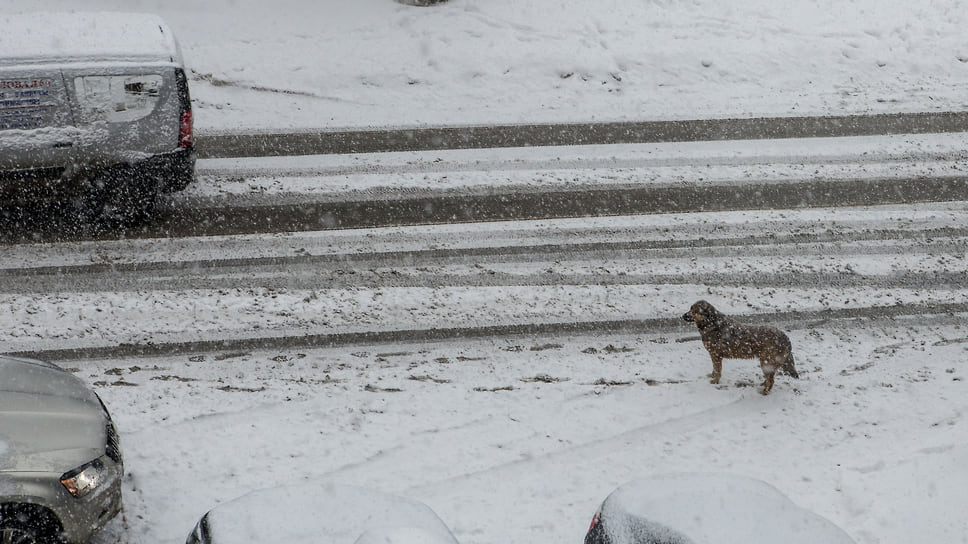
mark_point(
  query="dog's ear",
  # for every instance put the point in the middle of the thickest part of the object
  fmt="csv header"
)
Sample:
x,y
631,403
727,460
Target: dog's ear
x,y
706,310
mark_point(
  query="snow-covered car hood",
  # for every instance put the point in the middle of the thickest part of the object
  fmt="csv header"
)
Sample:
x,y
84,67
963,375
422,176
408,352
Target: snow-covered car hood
x,y
327,513
50,421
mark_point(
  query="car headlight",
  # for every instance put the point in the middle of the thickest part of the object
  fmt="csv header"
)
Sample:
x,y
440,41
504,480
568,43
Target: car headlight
x,y
84,479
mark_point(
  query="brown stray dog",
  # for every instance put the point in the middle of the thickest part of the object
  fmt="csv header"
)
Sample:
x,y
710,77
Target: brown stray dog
x,y
727,339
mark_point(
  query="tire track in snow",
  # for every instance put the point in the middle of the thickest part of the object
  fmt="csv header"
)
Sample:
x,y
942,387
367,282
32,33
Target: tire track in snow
x,y
619,263
417,452
530,135
953,313
584,457
352,279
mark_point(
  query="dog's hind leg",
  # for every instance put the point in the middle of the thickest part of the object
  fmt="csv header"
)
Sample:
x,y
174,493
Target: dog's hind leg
x,y
789,367
768,384
717,372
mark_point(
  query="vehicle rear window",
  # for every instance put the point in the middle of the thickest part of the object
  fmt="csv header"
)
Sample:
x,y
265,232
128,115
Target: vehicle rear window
x,y
117,98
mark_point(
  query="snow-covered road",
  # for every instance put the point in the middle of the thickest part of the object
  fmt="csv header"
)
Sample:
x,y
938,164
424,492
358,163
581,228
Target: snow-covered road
x,y
515,436
291,285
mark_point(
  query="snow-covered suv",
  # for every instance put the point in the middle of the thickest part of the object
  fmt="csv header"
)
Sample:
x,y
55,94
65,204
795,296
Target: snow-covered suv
x,y
60,457
94,110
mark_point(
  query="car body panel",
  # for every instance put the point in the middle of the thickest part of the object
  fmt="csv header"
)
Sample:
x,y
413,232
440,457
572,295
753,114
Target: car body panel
x,y
48,433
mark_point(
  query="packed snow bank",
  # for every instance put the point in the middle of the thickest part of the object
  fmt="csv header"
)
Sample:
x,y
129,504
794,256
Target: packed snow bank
x,y
332,63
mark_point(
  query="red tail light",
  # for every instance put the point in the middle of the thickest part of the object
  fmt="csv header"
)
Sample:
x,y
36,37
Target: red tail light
x,y
595,521
185,134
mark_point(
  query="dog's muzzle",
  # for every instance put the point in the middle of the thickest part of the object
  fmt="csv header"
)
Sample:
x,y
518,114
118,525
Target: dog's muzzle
x,y
688,317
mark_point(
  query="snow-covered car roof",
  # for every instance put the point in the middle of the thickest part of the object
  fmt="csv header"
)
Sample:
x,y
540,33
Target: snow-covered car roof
x,y
706,508
337,514
53,37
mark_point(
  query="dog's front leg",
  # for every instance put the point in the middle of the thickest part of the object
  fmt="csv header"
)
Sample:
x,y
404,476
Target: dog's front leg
x,y
717,372
769,371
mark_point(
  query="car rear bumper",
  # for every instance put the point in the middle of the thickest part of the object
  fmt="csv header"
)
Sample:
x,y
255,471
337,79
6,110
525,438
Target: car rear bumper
x,y
173,171
169,172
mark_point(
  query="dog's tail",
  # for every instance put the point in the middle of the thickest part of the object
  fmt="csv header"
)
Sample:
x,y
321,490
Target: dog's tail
x,y
789,367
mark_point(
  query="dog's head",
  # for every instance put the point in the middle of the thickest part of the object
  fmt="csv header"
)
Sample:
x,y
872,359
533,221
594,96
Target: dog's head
x,y
701,313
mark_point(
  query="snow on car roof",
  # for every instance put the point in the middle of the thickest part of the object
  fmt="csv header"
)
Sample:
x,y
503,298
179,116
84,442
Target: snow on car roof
x,y
47,37
325,513
721,508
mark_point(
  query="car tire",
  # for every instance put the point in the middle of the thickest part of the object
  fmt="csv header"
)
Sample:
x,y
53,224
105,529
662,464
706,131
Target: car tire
x,y
13,533
121,197
19,527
